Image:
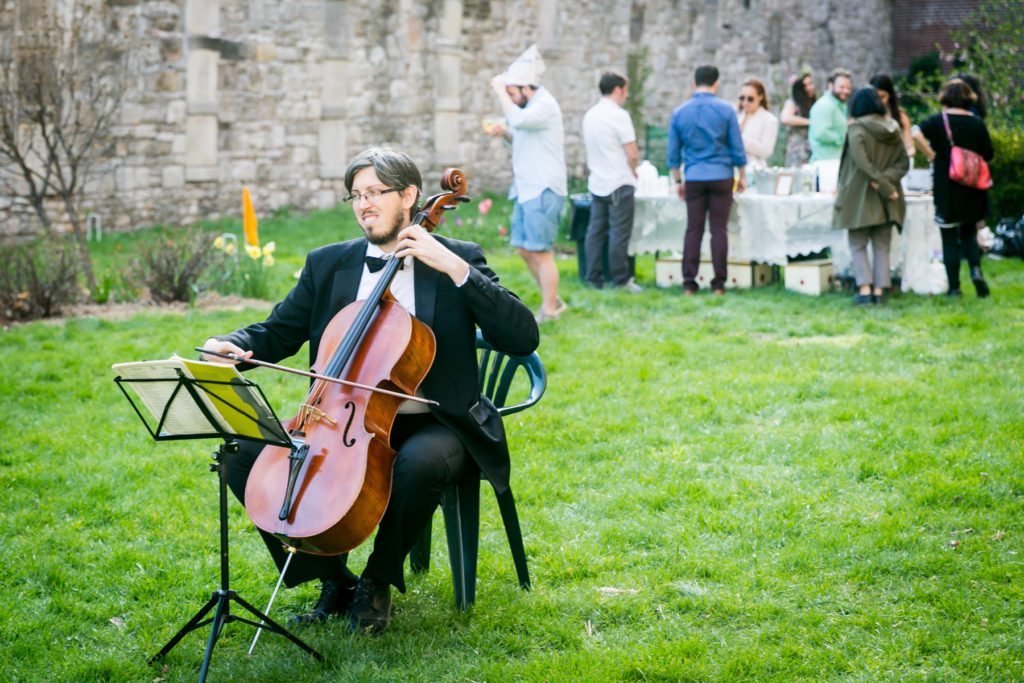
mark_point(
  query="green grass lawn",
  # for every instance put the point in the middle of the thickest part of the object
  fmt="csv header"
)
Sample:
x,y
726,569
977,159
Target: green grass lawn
x,y
765,486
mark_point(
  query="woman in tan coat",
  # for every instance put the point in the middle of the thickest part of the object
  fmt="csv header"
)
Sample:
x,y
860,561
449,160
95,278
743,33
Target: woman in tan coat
x,y
869,201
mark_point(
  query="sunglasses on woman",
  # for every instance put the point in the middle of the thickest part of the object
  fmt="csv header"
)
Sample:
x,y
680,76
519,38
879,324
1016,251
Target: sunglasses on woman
x,y
747,98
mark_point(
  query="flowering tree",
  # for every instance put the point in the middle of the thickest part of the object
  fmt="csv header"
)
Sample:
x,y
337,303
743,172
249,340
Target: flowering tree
x,y
992,48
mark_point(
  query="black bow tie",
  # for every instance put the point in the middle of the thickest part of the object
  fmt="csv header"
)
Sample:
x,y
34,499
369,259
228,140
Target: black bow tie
x,y
375,263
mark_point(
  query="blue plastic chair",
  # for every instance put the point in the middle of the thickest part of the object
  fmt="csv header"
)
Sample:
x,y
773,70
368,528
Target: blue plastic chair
x,y
460,503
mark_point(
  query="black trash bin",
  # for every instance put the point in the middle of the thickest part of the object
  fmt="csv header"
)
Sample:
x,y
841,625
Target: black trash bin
x,y
579,221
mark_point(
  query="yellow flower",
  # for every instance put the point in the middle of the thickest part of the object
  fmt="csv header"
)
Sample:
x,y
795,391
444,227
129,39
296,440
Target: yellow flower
x,y
268,260
269,248
229,248
253,251
218,243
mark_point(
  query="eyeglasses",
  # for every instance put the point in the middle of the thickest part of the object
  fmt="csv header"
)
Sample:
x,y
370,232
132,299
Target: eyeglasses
x,y
373,195
747,98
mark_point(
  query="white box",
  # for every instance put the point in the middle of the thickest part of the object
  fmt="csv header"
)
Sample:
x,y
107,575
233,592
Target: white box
x,y
809,277
668,272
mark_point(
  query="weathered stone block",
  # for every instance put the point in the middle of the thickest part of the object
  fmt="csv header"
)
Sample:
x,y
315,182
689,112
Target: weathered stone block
x,y
243,170
202,78
173,176
168,81
202,17
201,141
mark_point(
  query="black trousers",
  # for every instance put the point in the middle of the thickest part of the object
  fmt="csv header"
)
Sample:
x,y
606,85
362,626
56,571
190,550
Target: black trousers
x,y
430,457
959,242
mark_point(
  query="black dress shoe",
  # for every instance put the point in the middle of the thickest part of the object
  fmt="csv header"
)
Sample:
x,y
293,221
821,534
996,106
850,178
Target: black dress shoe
x,y
371,610
335,599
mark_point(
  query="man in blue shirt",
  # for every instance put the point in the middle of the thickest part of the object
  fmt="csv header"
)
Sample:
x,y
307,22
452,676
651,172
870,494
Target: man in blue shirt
x,y
705,133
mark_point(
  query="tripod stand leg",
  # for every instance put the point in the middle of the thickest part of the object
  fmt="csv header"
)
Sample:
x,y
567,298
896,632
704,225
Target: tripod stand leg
x,y
273,596
275,627
219,617
192,625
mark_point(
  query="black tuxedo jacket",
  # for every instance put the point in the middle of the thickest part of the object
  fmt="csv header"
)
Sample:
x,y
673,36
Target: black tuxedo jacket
x,y
330,281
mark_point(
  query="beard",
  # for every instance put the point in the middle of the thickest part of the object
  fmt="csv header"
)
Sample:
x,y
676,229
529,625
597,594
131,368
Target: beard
x,y
381,239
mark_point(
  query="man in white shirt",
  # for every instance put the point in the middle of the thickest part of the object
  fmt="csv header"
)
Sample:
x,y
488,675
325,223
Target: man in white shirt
x,y
610,141
539,186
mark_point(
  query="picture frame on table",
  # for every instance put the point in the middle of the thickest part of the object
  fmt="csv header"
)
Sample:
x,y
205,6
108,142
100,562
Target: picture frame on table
x,y
784,183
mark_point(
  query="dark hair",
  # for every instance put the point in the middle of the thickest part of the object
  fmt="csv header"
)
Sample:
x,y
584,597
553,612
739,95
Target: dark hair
x,y
802,100
956,93
979,108
758,87
884,82
865,102
610,81
395,169
706,75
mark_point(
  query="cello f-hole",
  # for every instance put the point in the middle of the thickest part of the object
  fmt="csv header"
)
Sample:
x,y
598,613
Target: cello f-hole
x,y
345,439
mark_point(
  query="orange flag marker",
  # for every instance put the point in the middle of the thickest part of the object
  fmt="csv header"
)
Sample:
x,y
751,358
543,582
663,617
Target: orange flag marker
x,y
250,226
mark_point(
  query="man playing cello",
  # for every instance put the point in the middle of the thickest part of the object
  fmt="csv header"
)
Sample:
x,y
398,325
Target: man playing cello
x,y
447,285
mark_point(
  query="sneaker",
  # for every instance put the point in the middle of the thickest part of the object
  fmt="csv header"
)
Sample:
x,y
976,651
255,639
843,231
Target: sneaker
x,y
371,609
631,286
335,599
862,300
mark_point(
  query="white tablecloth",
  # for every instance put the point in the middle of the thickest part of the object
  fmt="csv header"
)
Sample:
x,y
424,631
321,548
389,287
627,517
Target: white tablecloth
x,y
769,229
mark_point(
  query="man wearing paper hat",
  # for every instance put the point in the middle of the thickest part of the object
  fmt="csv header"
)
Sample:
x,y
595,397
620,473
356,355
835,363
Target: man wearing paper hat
x,y
533,124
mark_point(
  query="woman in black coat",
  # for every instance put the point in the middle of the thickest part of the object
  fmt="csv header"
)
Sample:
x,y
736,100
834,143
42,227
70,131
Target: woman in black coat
x,y
958,208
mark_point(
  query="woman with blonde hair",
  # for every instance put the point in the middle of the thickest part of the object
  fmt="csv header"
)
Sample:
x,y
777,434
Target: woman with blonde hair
x,y
759,127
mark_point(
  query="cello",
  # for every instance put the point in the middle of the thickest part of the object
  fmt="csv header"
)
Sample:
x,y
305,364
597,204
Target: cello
x,y
326,494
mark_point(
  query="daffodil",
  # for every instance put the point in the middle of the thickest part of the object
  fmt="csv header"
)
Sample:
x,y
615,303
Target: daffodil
x,y
218,242
229,248
269,248
268,260
253,251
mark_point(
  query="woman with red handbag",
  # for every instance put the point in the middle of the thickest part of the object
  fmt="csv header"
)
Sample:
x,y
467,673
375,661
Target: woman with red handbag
x,y
960,181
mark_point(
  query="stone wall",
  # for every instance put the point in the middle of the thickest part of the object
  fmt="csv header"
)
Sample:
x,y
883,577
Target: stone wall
x,y
279,95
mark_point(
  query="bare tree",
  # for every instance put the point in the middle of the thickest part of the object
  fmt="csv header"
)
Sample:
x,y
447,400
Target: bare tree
x,y
61,85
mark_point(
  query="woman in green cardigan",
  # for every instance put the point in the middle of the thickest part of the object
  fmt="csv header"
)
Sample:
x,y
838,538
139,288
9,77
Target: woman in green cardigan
x,y
869,200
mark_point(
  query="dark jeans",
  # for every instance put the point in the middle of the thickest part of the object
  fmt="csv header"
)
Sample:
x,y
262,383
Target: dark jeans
x,y
430,456
611,223
959,241
706,199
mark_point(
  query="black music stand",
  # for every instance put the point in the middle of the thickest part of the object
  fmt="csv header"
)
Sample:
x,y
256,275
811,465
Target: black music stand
x,y
221,405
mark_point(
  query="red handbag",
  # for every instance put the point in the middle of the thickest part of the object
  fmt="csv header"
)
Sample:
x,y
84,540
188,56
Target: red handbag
x,y
965,166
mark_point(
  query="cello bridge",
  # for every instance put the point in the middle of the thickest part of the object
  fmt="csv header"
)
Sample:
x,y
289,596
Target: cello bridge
x,y
314,414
